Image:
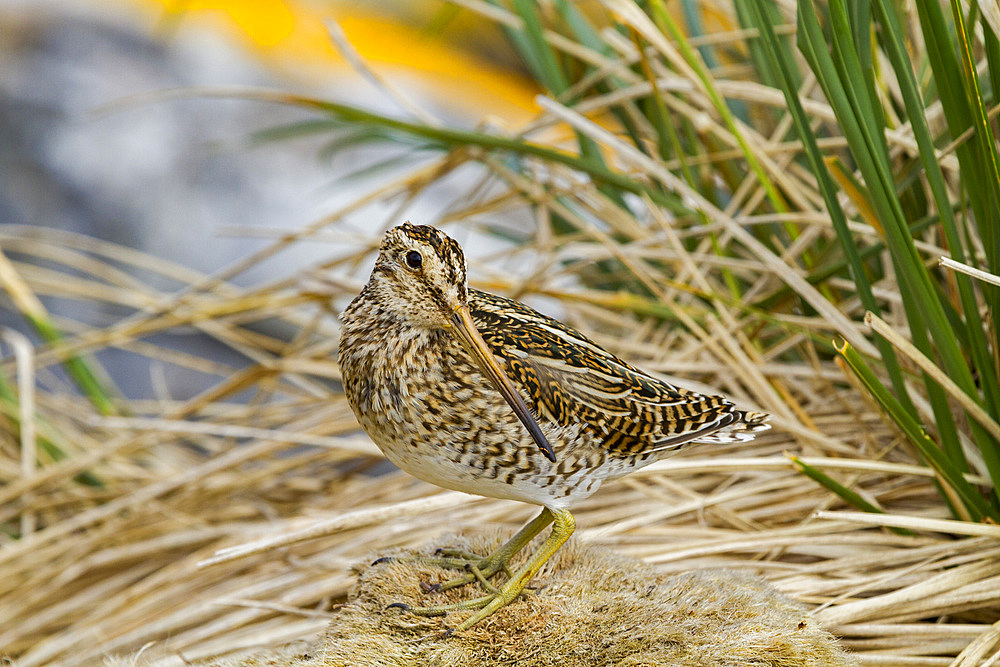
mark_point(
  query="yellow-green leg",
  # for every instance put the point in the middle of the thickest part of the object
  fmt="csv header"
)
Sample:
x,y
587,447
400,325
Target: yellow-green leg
x,y
478,568
563,526
497,561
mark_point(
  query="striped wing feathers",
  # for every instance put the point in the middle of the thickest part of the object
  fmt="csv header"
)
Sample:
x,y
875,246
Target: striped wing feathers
x,y
569,379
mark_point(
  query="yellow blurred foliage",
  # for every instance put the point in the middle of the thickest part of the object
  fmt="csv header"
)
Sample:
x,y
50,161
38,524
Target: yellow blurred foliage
x,y
291,36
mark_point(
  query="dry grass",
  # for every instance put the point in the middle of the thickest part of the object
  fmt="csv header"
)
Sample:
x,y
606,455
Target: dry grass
x,y
110,569
594,608
271,449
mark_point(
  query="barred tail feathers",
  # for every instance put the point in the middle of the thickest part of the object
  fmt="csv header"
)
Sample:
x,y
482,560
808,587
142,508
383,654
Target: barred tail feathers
x,y
745,426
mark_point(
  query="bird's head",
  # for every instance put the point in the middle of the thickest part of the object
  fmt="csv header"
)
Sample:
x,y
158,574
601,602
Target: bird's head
x,y
420,273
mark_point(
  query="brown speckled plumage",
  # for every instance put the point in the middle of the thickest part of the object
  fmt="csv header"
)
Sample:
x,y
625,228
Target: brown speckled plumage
x,y
425,403
423,397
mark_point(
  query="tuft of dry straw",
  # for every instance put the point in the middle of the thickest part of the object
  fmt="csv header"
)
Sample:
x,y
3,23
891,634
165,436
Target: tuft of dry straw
x,y
116,567
589,607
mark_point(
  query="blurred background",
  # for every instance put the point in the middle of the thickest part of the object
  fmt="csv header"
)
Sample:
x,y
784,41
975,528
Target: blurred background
x,y
113,125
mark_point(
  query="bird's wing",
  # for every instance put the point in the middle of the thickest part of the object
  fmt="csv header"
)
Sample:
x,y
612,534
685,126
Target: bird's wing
x,y
569,379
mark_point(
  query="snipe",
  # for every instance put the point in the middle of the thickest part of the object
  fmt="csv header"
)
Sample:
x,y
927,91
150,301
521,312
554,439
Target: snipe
x,y
477,393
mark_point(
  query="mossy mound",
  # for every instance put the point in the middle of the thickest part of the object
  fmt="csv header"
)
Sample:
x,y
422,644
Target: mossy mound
x,y
593,607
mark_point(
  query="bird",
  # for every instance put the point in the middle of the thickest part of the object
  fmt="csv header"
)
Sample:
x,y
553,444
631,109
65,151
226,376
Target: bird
x,y
478,393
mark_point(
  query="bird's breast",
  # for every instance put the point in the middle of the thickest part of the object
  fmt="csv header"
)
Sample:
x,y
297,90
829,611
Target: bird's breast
x,y
432,413
416,388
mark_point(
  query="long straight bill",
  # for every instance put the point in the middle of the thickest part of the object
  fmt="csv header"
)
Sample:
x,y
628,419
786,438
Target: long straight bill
x,y
468,335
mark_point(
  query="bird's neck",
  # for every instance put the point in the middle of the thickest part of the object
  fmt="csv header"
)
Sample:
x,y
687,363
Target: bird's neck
x,y
373,306
373,319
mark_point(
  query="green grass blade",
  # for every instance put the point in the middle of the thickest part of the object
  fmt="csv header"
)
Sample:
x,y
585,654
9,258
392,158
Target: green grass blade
x,y
975,503
539,54
977,338
850,497
985,142
852,106
545,64
827,482
985,148
46,436
34,312
859,15
585,33
582,29
789,87
955,102
454,137
666,22
294,130
750,13
944,420
77,368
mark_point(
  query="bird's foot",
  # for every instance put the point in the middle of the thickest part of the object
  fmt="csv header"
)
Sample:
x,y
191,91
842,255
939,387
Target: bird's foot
x,y
483,606
477,568
456,552
442,609
443,558
481,570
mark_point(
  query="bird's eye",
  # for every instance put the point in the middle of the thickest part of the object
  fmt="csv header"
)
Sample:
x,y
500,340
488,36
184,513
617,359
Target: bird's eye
x,y
414,260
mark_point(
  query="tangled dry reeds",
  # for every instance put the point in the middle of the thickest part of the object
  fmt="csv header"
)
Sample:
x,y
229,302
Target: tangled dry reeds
x,y
115,527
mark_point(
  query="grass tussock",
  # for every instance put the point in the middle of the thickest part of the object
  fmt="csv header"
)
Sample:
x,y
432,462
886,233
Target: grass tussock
x,y
121,520
719,249
592,607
